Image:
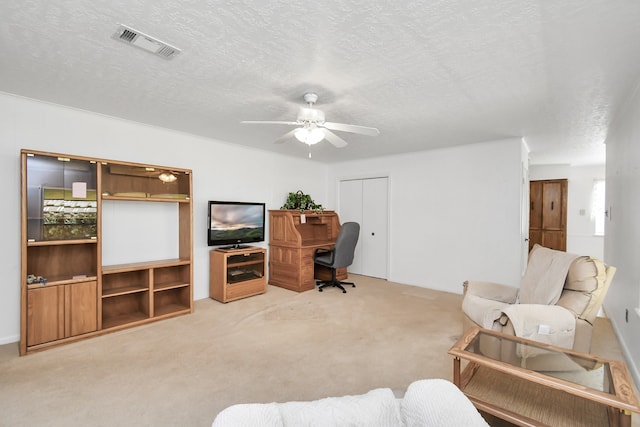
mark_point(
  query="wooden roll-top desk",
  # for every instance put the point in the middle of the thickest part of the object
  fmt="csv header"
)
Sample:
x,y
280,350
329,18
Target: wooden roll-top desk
x,y
293,238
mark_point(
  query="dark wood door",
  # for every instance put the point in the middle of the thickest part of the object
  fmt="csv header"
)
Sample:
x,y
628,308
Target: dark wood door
x,y
552,212
548,214
535,212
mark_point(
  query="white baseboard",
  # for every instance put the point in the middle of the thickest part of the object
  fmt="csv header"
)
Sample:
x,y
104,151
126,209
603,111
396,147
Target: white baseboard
x,y
10,339
633,368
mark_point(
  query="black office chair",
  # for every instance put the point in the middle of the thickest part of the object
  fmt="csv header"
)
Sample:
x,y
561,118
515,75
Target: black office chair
x,y
340,256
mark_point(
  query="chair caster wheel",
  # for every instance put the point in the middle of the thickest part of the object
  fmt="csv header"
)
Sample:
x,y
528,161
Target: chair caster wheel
x,y
319,290
344,292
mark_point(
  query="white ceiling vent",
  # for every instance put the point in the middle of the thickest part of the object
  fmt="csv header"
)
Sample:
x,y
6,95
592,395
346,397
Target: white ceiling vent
x,y
143,41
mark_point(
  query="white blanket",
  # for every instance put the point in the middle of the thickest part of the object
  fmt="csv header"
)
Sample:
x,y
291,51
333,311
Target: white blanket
x,y
545,276
550,324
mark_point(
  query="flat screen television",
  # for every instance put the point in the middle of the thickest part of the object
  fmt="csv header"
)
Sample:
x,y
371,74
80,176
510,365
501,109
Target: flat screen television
x,y
235,223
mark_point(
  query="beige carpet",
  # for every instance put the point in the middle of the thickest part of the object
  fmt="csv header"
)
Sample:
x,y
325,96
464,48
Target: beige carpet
x,y
278,346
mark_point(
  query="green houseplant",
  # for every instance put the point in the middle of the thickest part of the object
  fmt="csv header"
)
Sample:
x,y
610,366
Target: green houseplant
x,y
301,202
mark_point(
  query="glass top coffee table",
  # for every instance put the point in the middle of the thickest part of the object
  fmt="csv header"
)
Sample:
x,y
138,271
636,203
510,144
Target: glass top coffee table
x,y
588,390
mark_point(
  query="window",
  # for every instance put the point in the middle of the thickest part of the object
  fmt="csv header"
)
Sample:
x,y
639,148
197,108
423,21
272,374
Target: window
x,y
597,206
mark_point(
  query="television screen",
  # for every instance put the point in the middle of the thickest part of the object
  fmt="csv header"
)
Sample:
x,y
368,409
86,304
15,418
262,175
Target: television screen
x,y
233,223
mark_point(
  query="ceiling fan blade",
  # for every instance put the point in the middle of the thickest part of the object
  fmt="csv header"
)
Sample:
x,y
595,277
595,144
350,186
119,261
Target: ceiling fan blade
x,y
364,130
269,122
285,137
334,139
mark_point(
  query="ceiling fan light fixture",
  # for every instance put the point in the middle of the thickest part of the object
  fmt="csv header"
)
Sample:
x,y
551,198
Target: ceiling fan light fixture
x,y
309,136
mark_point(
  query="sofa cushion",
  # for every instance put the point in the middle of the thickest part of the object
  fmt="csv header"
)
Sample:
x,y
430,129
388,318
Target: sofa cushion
x,y
378,407
582,275
438,403
584,287
574,301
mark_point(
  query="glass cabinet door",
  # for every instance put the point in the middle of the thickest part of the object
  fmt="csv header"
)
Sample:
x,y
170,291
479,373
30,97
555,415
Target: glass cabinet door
x,y
144,182
61,198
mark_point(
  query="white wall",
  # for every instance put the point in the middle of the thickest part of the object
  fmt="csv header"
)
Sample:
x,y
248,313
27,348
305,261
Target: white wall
x,y
622,231
580,228
454,213
220,171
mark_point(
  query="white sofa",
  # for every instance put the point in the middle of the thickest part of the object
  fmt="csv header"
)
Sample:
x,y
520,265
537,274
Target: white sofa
x,y
426,403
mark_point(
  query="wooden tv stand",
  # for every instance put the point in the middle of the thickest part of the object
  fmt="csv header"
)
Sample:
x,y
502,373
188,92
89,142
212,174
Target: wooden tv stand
x,y
236,273
294,236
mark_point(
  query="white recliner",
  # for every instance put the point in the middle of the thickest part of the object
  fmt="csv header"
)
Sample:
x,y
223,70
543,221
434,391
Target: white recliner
x,y
557,303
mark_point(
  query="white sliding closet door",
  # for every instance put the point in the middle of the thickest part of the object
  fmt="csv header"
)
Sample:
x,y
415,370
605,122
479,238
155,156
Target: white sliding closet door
x,y
351,210
365,201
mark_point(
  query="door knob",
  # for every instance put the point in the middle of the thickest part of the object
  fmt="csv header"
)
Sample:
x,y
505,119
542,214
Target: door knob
x,y
373,234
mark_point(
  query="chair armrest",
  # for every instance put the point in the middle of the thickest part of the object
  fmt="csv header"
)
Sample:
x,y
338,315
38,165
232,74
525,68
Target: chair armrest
x,y
437,402
492,291
551,324
324,252
249,414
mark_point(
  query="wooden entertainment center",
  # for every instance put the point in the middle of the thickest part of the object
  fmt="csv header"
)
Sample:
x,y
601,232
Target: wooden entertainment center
x,y
66,292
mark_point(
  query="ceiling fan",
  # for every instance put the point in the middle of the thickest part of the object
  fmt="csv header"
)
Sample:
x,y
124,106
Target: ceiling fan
x,y
312,127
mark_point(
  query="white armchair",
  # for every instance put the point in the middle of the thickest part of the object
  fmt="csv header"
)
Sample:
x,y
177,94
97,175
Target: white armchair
x,y
557,303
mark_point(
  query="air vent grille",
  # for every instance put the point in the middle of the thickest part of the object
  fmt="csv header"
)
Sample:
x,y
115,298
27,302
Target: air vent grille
x,y
143,41
128,35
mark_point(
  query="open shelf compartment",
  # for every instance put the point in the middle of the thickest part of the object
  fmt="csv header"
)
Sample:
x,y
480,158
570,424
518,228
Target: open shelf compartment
x,y
63,263
171,301
127,282
176,276
125,309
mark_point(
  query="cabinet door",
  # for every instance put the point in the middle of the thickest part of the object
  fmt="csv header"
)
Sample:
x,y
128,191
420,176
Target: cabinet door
x,y
552,205
535,211
81,314
554,239
535,236
45,314
61,198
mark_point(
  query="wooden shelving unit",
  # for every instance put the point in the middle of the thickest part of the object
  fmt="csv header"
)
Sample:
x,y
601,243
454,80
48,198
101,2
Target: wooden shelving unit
x,y
236,273
62,199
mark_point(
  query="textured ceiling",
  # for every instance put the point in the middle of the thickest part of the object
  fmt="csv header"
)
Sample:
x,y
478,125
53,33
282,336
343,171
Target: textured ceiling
x,y
428,74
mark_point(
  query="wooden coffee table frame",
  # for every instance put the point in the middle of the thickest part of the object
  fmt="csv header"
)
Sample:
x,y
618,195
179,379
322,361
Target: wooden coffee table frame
x,y
620,403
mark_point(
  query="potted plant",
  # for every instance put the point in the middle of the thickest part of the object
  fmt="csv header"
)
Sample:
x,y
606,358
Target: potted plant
x,y
301,202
